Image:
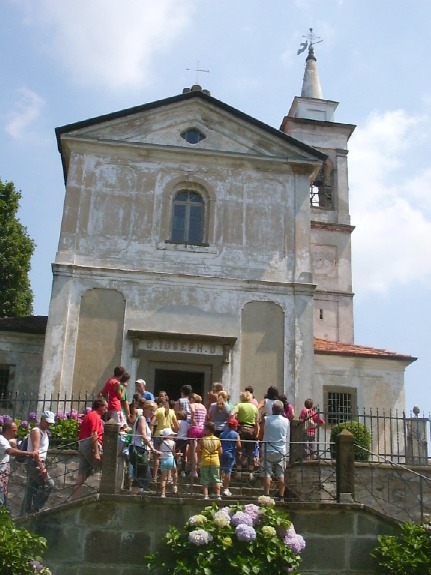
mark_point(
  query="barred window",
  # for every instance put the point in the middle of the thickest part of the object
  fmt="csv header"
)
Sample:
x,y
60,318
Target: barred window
x,y
341,405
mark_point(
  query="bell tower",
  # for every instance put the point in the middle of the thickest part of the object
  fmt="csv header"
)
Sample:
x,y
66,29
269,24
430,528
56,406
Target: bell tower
x,y
311,120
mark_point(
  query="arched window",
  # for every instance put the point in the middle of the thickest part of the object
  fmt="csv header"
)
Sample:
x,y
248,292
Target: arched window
x,y
188,215
321,189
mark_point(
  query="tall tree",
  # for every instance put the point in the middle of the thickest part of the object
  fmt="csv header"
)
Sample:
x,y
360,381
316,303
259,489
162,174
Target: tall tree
x,y
16,249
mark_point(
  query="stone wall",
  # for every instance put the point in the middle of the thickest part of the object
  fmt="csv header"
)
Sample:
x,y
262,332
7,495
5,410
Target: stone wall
x,y
111,534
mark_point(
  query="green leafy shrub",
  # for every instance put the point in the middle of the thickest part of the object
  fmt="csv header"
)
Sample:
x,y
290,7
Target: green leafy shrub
x,y
20,549
362,437
406,554
64,433
235,540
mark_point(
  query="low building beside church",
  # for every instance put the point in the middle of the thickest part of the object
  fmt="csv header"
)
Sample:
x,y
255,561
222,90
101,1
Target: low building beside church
x,y
199,244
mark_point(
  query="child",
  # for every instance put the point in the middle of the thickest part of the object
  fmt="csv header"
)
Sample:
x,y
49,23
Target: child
x,y
167,460
230,442
209,451
182,441
311,421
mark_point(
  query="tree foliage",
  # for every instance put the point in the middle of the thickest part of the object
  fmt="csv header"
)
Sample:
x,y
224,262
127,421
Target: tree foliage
x,y
16,249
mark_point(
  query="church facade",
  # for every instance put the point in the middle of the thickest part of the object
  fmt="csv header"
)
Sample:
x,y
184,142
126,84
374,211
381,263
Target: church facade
x,y
199,244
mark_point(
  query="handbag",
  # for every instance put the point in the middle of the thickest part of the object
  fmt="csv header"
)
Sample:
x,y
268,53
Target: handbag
x,y
138,455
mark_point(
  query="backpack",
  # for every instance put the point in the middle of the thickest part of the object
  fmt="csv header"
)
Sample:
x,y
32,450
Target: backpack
x,y
309,421
23,446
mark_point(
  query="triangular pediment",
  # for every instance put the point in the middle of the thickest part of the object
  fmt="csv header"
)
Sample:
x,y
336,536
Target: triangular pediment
x,y
166,123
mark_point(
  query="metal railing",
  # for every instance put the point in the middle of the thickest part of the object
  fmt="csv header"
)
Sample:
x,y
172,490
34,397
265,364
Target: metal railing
x,y
396,437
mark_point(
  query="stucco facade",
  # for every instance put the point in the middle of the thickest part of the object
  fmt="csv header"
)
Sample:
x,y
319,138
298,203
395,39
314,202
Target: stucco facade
x,y
199,244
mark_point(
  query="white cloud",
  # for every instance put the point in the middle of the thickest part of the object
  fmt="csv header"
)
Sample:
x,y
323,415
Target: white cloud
x,y
109,43
26,111
390,205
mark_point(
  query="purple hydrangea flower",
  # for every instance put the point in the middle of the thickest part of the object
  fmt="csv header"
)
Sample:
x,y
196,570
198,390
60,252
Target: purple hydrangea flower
x,y
241,518
87,410
200,537
24,424
32,416
72,414
245,533
60,416
253,511
294,541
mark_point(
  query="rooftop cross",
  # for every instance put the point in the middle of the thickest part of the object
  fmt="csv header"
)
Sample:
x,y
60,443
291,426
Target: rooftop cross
x,y
197,70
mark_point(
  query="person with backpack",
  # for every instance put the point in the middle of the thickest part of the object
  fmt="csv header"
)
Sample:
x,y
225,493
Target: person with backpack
x,y
39,483
6,450
311,421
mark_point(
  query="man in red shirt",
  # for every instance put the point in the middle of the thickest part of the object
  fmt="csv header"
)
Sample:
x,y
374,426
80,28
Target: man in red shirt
x,y
90,442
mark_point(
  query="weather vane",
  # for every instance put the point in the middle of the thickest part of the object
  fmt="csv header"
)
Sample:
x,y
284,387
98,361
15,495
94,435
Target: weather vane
x,y
311,40
197,70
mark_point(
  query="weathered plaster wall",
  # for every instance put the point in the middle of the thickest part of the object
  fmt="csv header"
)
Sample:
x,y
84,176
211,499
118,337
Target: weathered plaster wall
x,y
22,354
379,382
115,235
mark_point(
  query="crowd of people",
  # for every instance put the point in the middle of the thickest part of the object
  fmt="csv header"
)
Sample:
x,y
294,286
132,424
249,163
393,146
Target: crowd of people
x,y
162,439
207,439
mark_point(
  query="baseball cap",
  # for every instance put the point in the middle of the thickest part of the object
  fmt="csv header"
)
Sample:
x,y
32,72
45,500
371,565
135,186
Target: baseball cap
x,y
232,422
48,416
142,381
167,432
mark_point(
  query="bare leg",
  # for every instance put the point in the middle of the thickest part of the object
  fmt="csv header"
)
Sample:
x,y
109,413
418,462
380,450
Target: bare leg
x,y
266,485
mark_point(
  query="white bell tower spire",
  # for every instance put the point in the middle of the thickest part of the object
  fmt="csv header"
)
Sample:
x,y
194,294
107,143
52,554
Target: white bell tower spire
x,y
311,84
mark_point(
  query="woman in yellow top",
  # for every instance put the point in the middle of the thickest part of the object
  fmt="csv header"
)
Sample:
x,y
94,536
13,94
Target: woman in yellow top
x,y
209,451
247,415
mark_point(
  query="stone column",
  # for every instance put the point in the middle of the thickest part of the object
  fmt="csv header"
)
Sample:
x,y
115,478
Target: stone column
x,y
345,467
296,441
108,481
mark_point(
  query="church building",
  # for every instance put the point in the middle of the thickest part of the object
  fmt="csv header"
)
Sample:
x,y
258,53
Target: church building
x,y
199,244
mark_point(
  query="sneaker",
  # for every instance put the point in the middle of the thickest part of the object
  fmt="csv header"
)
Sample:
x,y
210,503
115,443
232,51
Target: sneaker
x,y
218,497
163,495
174,489
227,493
196,475
251,476
206,497
183,473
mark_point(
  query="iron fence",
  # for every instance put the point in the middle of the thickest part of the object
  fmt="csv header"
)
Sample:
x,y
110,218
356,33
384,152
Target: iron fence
x,y
396,437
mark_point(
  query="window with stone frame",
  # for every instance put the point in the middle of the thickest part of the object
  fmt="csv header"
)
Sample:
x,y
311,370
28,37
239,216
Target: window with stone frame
x,y
188,218
341,404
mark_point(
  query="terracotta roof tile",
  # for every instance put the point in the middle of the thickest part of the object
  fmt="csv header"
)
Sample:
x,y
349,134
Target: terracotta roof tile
x,y
335,347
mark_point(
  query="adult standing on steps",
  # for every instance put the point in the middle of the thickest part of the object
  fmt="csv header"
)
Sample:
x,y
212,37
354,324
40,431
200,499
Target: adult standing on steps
x,y
90,442
247,415
39,483
9,432
276,438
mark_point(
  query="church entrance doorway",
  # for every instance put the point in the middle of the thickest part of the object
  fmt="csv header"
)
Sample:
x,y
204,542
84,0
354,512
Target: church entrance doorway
x,y
171,381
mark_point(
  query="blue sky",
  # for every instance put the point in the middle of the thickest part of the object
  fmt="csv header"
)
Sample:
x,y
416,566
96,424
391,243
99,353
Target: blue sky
x,y
65,61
